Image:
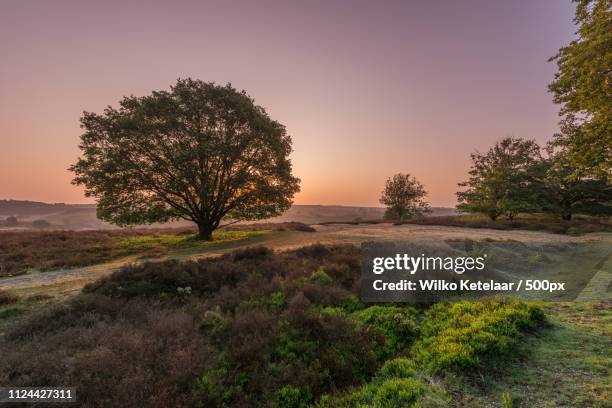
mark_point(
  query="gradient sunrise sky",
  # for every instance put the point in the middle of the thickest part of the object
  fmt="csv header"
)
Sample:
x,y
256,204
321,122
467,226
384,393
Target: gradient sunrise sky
x,y
366,89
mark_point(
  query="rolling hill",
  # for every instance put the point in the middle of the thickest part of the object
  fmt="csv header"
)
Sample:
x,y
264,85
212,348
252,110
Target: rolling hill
x,y
83,216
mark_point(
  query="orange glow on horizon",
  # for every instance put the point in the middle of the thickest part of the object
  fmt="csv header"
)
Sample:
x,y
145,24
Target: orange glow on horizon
x,y
412,88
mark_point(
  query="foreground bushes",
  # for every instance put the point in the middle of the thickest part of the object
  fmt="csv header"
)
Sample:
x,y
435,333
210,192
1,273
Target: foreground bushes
x,y
116,353
254,328
464,335
453,337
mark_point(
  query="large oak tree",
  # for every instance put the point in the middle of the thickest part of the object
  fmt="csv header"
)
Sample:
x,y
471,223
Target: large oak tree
x,y
199,152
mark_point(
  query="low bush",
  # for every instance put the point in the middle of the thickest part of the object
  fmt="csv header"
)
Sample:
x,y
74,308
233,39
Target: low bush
x,y
253,328
115,353
397,384
7,298
397,324
292,397
465,335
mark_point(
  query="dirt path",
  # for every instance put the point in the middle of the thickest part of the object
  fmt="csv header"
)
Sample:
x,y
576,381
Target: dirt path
x,y
74,278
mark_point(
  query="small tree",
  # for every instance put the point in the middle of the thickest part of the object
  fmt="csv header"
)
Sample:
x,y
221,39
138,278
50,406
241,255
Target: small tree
x,y
501,181
199,152
564,191
11,222
404,197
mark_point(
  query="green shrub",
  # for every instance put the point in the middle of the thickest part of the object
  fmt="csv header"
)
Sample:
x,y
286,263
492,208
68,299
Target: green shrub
x,y
396,323
507,400
320,277
274,302
292,397
396,386
462,335
398,367
352,304
398,392
572,231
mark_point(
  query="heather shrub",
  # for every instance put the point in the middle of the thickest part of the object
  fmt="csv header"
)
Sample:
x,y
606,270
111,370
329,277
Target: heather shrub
x,y
7,298
247,273
254,252
45,250
128,354
253,328
288,359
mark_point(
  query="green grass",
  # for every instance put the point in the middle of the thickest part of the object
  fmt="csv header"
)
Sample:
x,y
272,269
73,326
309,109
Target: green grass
x,y
567,364
166,241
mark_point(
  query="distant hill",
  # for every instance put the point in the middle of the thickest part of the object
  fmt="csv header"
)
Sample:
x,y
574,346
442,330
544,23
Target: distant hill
x,y
83,216
29,208
59,215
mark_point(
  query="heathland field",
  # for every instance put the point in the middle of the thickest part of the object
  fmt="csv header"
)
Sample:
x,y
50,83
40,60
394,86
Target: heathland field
x,y
271,316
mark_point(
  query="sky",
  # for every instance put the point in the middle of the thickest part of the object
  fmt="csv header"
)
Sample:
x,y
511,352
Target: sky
x,y
365,89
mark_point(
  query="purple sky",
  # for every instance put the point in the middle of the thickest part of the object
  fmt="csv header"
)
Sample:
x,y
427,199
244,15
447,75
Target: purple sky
x,y
366,89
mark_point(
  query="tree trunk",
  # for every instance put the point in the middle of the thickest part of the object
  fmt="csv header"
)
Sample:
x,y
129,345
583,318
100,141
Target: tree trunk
x,y
205,232
567,212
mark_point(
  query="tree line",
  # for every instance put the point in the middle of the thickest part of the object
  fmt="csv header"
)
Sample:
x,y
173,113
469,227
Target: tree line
x,y
572,173
517,176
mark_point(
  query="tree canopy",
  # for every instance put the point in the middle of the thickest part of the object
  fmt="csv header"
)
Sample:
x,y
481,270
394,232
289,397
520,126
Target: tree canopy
x,y
583,86
404,197
500,180
199,152
564,192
